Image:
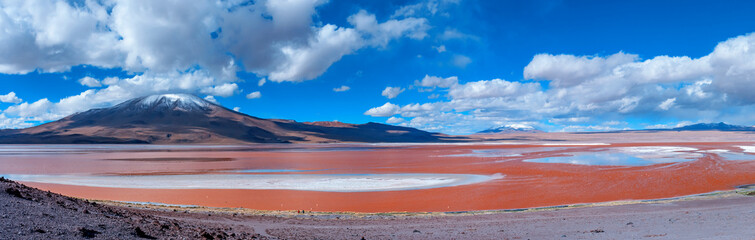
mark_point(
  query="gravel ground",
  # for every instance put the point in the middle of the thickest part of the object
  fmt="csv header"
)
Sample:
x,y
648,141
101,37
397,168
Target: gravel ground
x,y
28,213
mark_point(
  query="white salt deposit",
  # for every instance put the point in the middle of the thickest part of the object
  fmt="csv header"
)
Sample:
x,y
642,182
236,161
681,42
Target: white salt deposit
x,y
714,151
574,144
748,149
305,182
652,152
627,156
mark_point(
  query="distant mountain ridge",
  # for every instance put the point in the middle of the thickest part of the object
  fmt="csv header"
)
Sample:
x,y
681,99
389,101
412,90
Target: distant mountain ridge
x,y
184,118
721,126
510,129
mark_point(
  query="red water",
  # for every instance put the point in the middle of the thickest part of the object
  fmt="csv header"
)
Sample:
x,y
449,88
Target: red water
x,y
526,184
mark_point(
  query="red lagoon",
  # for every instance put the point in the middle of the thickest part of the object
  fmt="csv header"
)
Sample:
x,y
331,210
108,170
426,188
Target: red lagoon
x,y
382,178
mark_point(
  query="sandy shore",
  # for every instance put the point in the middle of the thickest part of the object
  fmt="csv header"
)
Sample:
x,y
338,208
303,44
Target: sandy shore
x,y
29,213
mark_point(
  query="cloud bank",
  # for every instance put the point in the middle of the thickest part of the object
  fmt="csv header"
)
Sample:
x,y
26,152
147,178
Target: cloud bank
x,y
568,92
272,38
171,46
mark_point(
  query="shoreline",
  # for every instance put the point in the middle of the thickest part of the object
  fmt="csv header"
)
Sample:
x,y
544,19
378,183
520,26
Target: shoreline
x,y
744,190
32,213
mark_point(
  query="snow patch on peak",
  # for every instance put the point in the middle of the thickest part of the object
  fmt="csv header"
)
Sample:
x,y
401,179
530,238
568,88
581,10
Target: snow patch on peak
x,y
512,128
181,101
173,97
519,126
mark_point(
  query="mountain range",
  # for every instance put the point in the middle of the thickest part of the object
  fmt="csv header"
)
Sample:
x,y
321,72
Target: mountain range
x,y
721,126
184,118
510,129
713,127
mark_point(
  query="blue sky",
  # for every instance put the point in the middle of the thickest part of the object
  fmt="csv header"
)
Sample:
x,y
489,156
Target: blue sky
x,y
454,66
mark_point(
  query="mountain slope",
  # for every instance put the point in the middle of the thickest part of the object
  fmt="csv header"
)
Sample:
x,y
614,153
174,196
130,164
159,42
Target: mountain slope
x,y
183,118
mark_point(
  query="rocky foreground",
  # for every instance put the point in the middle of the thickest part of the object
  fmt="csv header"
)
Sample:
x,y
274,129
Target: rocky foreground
x,y
28,213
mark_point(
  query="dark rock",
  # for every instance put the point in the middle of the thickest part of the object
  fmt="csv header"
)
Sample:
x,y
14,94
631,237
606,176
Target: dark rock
x,y
14,192
207,236
140,233
88,233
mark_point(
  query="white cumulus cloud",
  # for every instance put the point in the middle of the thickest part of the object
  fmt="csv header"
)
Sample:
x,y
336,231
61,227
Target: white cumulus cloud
x,y
665,105
394,120
254,95
171,46
38,110
10,98
211,98
441,48
90,82
223,90
392,92
6,122
341,88
118,91
461,61
492,88
387,110
433,81
561,90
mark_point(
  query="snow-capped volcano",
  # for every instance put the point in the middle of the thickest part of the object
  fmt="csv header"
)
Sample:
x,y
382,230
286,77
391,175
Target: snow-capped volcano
x,y
185,102
185,118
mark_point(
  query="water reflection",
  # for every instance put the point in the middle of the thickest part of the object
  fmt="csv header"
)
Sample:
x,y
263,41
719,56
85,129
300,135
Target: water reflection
x,y
507,152
737,156
609,159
